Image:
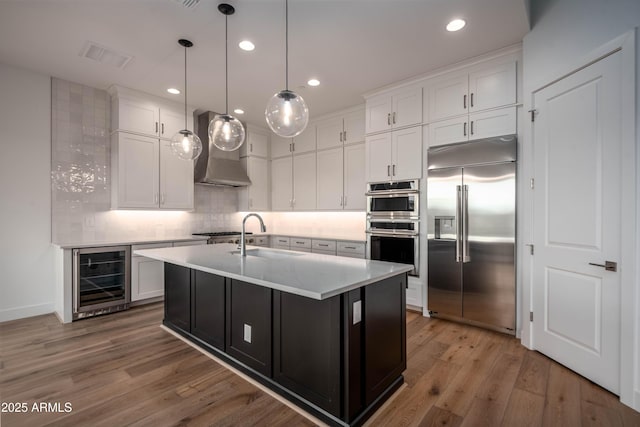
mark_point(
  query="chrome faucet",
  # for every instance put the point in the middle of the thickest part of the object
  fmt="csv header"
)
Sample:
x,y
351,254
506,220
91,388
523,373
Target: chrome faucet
x,y
243,245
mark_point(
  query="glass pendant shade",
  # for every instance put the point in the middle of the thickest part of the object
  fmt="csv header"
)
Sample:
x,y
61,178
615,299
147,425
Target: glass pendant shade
x,y
287,114
186,145
226,132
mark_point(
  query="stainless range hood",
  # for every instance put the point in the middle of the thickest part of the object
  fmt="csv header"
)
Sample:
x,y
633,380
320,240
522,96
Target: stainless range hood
x,y
214,166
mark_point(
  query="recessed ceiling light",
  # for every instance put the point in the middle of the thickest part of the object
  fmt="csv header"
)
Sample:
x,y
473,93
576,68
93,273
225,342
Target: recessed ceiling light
x,y
246,45
238,111
173,91
456,24
313,82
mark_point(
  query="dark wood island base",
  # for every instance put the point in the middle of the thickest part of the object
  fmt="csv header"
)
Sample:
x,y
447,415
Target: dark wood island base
x,y
339,358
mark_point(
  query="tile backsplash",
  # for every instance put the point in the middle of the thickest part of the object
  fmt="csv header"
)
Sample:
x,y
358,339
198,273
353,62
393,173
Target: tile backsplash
x,y
81,179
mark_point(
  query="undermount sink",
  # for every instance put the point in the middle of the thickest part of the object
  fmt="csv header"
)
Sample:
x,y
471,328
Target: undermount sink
x,y
266,253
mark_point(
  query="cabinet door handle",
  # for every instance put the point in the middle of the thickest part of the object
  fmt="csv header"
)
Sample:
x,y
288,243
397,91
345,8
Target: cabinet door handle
x,y
344,201
389,119
394,117
340,136
155,199
293,146
471,127
388,170
340,200
156,127
464,101
471,99
464,129
163,128
345,136
251,148
162,199
394,170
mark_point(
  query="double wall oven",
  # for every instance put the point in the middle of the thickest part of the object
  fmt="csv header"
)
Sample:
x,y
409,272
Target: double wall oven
x,y
393,222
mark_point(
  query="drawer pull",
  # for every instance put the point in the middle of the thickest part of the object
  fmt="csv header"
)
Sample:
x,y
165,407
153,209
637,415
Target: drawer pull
x,y
322,244
349,247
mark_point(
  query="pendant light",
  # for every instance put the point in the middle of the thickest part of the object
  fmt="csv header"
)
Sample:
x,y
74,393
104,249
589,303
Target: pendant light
x,y
287,114
225,131
186,144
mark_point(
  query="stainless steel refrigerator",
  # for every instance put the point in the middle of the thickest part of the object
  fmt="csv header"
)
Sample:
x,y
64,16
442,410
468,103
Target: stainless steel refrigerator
x,y
471,225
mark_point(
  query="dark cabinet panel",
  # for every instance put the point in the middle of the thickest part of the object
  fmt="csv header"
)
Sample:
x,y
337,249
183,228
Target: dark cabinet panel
x,y
384,334
249,325
208,308
352,342
177,296
307,348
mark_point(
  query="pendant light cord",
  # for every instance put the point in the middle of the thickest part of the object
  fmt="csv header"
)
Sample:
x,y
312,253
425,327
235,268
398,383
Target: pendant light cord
x,y
226,65
185,88
286,42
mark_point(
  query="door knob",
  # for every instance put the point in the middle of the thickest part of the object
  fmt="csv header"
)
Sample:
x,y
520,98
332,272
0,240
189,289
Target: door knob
x,y
608,265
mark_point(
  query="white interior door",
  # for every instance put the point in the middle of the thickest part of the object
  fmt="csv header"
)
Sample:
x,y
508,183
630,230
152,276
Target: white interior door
x,y
577,217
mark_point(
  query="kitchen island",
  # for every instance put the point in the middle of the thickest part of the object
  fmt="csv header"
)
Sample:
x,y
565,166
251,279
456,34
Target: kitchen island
x,y
325,332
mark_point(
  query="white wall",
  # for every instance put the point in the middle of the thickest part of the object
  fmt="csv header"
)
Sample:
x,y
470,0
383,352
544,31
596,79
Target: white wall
x,y
26,254
563,33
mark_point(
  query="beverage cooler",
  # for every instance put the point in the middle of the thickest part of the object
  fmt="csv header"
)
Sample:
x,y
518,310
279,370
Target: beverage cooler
x,y
101,280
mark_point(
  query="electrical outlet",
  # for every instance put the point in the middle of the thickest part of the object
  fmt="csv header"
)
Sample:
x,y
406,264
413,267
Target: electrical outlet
x,y
357,312
247,333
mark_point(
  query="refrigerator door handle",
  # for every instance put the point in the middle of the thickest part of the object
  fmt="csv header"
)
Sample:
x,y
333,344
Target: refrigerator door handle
x,y
465,224
459,224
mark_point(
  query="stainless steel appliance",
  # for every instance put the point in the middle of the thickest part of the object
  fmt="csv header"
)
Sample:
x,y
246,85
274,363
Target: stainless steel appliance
x,y
400,199
471,198
393,222
226,237
394,240
101,280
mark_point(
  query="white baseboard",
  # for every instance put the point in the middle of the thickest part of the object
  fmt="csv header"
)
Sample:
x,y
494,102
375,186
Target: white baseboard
x,y
25,311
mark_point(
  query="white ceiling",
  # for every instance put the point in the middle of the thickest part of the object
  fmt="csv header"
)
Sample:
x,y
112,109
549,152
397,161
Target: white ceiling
x,y
351,46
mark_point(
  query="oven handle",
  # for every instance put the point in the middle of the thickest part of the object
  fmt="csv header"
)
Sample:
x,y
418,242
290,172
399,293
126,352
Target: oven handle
x,y
392,234
392,193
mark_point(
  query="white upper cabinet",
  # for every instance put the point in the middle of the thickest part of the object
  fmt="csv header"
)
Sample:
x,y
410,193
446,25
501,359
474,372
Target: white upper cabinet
x,y
255,196
147,175
345,129
394,110
492,87
484,124
330,179
143,114
482,88
176,180
303,143
282,184
330,133
304,182
135,172
256,144
280,147
395,156
355,183
306,141
293,183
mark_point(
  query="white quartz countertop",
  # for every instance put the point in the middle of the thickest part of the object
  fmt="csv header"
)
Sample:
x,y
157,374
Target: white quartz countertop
x,y
306,274
124,242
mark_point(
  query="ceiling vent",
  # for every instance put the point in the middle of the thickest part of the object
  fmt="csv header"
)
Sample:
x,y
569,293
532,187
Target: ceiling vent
x,y
105,55
189,4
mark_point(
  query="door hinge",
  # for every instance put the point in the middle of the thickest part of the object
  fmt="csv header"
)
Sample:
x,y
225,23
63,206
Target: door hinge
x,y
533,114
532,183
531,316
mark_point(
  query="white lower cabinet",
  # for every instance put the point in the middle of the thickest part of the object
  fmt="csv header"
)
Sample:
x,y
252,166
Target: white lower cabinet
x,y
485,124
326,247
414,293
351,249
147,275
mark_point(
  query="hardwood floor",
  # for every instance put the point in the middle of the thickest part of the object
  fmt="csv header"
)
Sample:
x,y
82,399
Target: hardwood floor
x,y
123,369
